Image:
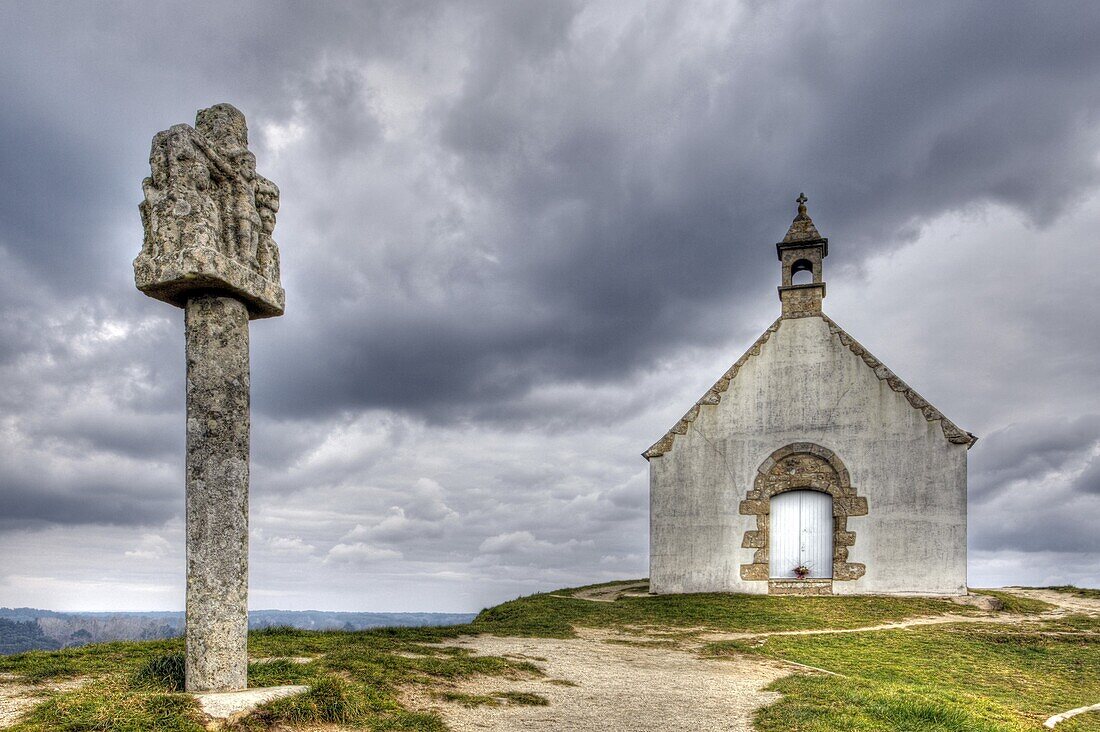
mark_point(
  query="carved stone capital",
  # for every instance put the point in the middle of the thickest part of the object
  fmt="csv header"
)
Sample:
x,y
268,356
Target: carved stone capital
x,y
173,276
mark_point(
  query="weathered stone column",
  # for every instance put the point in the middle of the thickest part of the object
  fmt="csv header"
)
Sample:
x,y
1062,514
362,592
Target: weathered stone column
x,y
217,493
208,219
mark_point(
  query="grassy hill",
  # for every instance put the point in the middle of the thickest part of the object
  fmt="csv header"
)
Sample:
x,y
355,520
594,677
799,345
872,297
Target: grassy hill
x,y
969,676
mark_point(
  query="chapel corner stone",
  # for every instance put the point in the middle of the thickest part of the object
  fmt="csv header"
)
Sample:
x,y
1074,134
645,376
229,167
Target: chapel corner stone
x,y
208,217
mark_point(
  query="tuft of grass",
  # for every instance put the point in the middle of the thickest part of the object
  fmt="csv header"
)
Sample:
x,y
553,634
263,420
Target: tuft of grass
x,y
164,673
525,698
469,700
1016,603
93,660
495,699
1087,722
329,699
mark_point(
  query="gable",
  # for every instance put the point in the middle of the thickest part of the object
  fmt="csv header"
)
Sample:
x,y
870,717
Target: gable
x,y
714,395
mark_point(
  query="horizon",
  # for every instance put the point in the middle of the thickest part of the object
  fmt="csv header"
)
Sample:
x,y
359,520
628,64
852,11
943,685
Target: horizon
x,y
250,610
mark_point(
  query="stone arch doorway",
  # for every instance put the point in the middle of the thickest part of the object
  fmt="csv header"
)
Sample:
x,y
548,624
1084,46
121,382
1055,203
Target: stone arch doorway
x,y
801,466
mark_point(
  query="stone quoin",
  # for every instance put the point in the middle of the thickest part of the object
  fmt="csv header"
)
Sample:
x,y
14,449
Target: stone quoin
x,y
809,467
208,218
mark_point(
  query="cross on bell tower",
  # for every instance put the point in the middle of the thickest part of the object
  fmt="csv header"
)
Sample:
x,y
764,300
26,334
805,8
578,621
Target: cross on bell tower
x,y
802,250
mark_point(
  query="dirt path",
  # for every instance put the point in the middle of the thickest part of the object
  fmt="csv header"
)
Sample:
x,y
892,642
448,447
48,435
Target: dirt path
x,y
911,623
1065,602
17,698
593,684
611,593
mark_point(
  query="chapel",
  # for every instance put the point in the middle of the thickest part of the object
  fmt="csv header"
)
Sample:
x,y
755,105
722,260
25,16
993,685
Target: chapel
x,y
810,467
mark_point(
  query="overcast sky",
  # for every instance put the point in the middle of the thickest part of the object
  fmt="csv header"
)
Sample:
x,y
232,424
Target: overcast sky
x,y
519,239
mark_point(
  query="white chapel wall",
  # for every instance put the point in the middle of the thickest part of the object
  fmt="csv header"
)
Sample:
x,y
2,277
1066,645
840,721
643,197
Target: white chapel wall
x,y
805,386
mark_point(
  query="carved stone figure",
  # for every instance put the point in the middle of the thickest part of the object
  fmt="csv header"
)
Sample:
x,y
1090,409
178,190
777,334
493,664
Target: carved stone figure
x,y
209,216
208,219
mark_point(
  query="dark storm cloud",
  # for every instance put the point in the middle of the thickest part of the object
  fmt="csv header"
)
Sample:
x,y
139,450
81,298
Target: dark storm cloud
x,y
135,499
1089,479
638,173
638,181
1033,487
1030,451
23,507
1043,528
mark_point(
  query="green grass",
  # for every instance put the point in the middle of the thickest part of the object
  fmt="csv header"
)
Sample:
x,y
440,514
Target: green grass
x,y
949,677
965,677
549,615
354,680
162,673
524,698
110,703
519,698
1087,722
1016,603
93,660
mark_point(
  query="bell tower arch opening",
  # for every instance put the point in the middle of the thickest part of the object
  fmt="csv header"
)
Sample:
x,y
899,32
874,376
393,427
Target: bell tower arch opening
x,y
802,272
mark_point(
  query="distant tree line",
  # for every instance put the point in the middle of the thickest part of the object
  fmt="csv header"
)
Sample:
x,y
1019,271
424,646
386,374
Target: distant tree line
x,y
18,636
27,629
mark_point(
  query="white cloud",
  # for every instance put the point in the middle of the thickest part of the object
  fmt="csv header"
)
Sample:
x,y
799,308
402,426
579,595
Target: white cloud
x,y
511,543
524,542
359,553
151,546
289,545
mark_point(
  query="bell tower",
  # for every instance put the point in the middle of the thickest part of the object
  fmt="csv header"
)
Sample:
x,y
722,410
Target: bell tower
x,y
802,250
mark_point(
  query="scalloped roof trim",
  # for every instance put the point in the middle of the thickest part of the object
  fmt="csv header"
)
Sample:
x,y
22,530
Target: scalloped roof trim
x,y
951,431
713,396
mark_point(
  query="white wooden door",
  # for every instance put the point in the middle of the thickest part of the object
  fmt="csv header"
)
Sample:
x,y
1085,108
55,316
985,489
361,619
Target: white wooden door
x,y
801,533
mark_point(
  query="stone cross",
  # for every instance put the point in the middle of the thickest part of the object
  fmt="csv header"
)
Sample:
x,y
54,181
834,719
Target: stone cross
x,y
208,218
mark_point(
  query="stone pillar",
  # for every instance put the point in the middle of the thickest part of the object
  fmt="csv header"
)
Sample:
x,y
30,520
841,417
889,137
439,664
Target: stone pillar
x,y
217,493
208,219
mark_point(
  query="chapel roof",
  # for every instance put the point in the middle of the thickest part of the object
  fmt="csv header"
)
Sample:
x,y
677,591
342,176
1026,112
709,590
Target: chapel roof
x,y
713,396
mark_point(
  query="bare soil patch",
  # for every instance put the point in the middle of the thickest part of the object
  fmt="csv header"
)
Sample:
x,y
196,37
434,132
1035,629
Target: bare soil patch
x,y
611,593
593,684
1065,601
17,698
